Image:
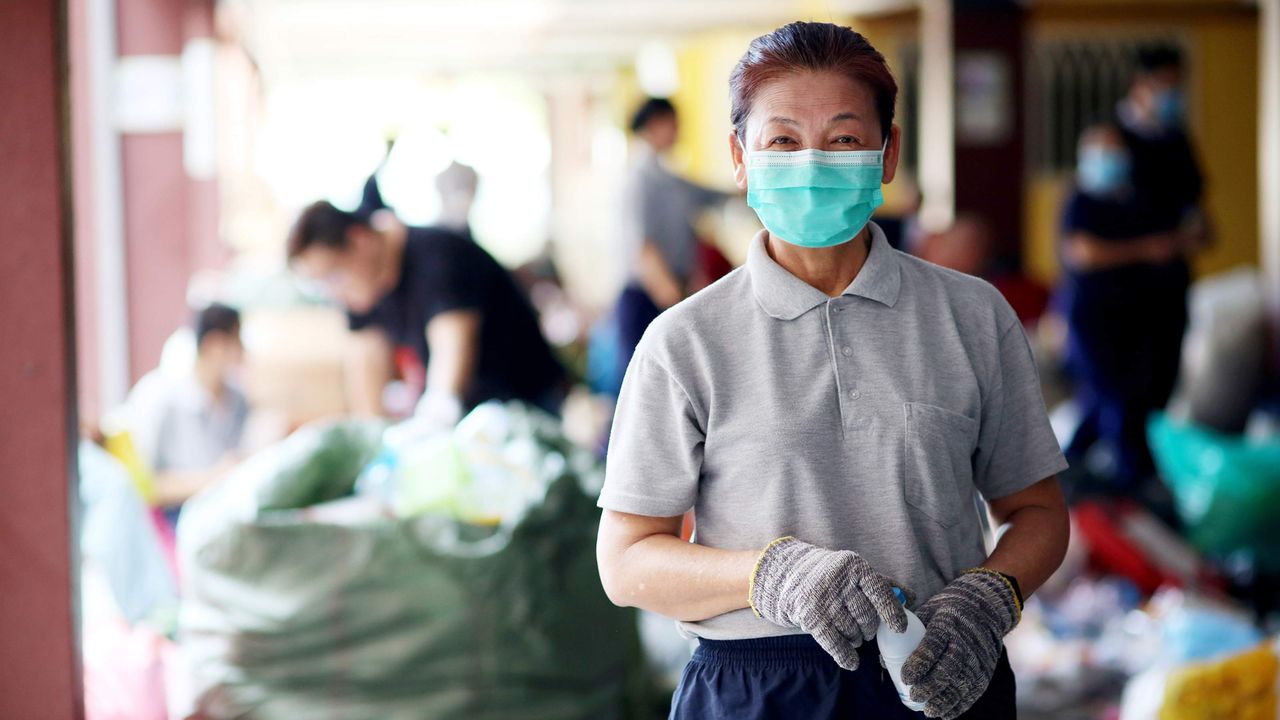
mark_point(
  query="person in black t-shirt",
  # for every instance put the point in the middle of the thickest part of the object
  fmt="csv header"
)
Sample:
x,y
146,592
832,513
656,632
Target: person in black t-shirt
x,y
437,293
1125,301
1165,171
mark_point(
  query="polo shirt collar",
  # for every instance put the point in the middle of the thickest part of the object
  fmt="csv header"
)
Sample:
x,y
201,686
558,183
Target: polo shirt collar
x,y
786,297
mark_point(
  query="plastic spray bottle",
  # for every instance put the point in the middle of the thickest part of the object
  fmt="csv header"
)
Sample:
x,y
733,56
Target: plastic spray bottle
x,y
895,648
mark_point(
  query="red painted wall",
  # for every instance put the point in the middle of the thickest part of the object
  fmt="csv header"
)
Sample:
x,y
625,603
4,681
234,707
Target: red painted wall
x,y
170,220
989,177
82,199
39,662
157,252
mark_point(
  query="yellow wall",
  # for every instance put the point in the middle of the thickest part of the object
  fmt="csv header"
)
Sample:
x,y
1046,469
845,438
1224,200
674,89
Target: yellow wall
x,y
704,61
1222,41
1222,90
889,34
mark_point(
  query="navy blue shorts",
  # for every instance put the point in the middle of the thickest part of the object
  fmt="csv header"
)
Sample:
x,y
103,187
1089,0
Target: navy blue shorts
x,y
793,677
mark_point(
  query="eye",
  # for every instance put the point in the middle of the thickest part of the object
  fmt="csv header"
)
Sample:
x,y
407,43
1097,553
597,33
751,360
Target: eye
x,y
847,140
781,140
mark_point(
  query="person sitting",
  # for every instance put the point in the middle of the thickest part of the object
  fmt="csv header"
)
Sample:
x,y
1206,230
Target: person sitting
x,y
187,424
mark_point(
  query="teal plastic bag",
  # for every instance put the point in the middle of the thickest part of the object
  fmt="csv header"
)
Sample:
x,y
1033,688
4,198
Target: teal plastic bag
x,y
1226,487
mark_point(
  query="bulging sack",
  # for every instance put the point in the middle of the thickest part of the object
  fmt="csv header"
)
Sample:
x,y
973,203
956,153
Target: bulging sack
x,y
399,617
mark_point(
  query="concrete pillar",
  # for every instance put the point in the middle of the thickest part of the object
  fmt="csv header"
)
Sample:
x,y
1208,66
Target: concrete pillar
x,y
40,672
936,136
1269,154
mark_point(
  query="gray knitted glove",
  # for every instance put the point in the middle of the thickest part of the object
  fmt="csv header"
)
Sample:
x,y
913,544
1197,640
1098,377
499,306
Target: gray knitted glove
x,y
833,595
965,625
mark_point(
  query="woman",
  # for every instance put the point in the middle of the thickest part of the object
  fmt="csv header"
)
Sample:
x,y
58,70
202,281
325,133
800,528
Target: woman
x,y
831,412
1125,298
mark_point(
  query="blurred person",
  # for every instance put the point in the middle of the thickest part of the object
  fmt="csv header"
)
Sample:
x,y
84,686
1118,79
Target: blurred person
x,y
1162,162
437,293
371,200
969,247
660,209
832,412
188,425
1124,298
457,185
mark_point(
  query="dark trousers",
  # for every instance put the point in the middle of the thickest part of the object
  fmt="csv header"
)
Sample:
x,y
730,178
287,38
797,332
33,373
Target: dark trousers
x,y
1126,327
792,677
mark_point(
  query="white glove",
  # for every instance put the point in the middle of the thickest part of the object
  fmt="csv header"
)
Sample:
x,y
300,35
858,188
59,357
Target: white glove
x,y
438,409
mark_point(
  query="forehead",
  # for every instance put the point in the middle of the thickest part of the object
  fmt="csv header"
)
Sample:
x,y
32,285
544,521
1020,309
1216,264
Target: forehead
x,y
810,97
317,261
1166,75
1102,136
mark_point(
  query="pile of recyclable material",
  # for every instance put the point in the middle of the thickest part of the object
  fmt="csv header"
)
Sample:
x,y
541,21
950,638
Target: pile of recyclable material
x,y
461,581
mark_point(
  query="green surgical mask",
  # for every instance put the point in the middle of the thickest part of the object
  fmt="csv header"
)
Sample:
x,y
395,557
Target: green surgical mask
x,y
814,198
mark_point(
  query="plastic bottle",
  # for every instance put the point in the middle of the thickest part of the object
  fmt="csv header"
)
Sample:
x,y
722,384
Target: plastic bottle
x,y
895,648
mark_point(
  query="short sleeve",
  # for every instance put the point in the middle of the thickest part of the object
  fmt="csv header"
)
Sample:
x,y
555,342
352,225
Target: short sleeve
x,y
458,276
655,448
1075,215
1016,444
703,196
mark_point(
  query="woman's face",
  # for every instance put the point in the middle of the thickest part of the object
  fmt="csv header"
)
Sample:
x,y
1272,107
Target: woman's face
x,y
813,111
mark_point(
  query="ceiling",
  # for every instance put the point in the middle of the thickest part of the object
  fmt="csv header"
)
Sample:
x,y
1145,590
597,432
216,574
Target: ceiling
x,y
296,38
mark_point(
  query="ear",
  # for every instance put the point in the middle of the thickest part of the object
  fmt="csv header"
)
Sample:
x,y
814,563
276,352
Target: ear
x,y
891,153
739,162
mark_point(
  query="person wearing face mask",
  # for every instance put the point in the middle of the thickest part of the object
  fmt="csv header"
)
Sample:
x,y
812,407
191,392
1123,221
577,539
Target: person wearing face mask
x,y
1162,162
1165,180
834,412
440,295
1124,315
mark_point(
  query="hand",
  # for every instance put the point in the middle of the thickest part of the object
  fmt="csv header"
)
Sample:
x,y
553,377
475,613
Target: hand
x,y
437,410
965,625
1161,248
833,595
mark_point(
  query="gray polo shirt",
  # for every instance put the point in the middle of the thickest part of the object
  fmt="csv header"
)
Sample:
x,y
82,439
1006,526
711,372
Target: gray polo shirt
x,y
870,421
661,207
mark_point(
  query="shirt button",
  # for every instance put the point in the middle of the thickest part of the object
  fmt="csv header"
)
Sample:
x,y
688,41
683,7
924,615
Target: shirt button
x,y
854,395
846,350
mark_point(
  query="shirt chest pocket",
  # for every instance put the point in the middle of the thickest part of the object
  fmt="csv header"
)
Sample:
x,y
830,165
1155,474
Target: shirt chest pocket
x,y
938,461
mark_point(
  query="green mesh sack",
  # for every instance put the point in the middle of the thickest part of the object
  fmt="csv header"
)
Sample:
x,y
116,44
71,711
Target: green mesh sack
x,y
423,617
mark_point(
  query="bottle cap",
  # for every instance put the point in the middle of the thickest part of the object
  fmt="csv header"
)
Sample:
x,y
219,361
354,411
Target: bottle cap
x,y
902,597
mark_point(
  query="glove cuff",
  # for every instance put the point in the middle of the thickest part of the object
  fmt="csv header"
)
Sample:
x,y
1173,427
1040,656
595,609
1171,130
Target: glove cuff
x,y
998,590
761,572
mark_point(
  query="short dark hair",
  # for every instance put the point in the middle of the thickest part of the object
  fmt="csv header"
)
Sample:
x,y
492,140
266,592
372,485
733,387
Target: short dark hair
x,y
651,108
808,47
216,317
321,225
1159,57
